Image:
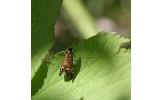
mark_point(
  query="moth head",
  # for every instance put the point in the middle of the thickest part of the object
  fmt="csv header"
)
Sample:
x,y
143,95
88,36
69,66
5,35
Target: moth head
x,y
69,50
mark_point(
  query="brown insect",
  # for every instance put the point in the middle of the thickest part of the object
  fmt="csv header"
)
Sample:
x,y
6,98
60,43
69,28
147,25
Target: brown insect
x,y
67,66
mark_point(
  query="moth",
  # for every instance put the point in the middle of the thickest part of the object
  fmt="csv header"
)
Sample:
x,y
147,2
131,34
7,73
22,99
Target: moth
x,y
67,66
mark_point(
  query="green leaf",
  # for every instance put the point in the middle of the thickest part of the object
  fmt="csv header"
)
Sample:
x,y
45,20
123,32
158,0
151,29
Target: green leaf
x,y
101,72
43,18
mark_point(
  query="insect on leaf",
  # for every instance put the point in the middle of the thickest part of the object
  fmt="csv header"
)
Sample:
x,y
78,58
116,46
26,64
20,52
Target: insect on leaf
x,y
101,72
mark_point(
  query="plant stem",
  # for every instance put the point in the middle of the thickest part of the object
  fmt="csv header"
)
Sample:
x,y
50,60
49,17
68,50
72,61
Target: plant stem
x,y
80,17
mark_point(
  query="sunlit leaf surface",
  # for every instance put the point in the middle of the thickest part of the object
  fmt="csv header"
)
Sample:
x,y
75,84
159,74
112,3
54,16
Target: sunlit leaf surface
x,y
101,72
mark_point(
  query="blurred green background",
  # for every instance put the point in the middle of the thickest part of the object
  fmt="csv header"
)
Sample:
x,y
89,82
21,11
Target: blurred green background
x,y
80,19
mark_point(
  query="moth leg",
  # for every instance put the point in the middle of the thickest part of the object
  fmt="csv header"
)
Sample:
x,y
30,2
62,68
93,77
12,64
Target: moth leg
x,y
61,70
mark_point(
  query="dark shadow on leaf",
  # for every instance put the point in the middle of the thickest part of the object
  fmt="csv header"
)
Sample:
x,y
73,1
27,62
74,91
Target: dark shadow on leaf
x,y
126,45
81,98
38,79
77,67
128,97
